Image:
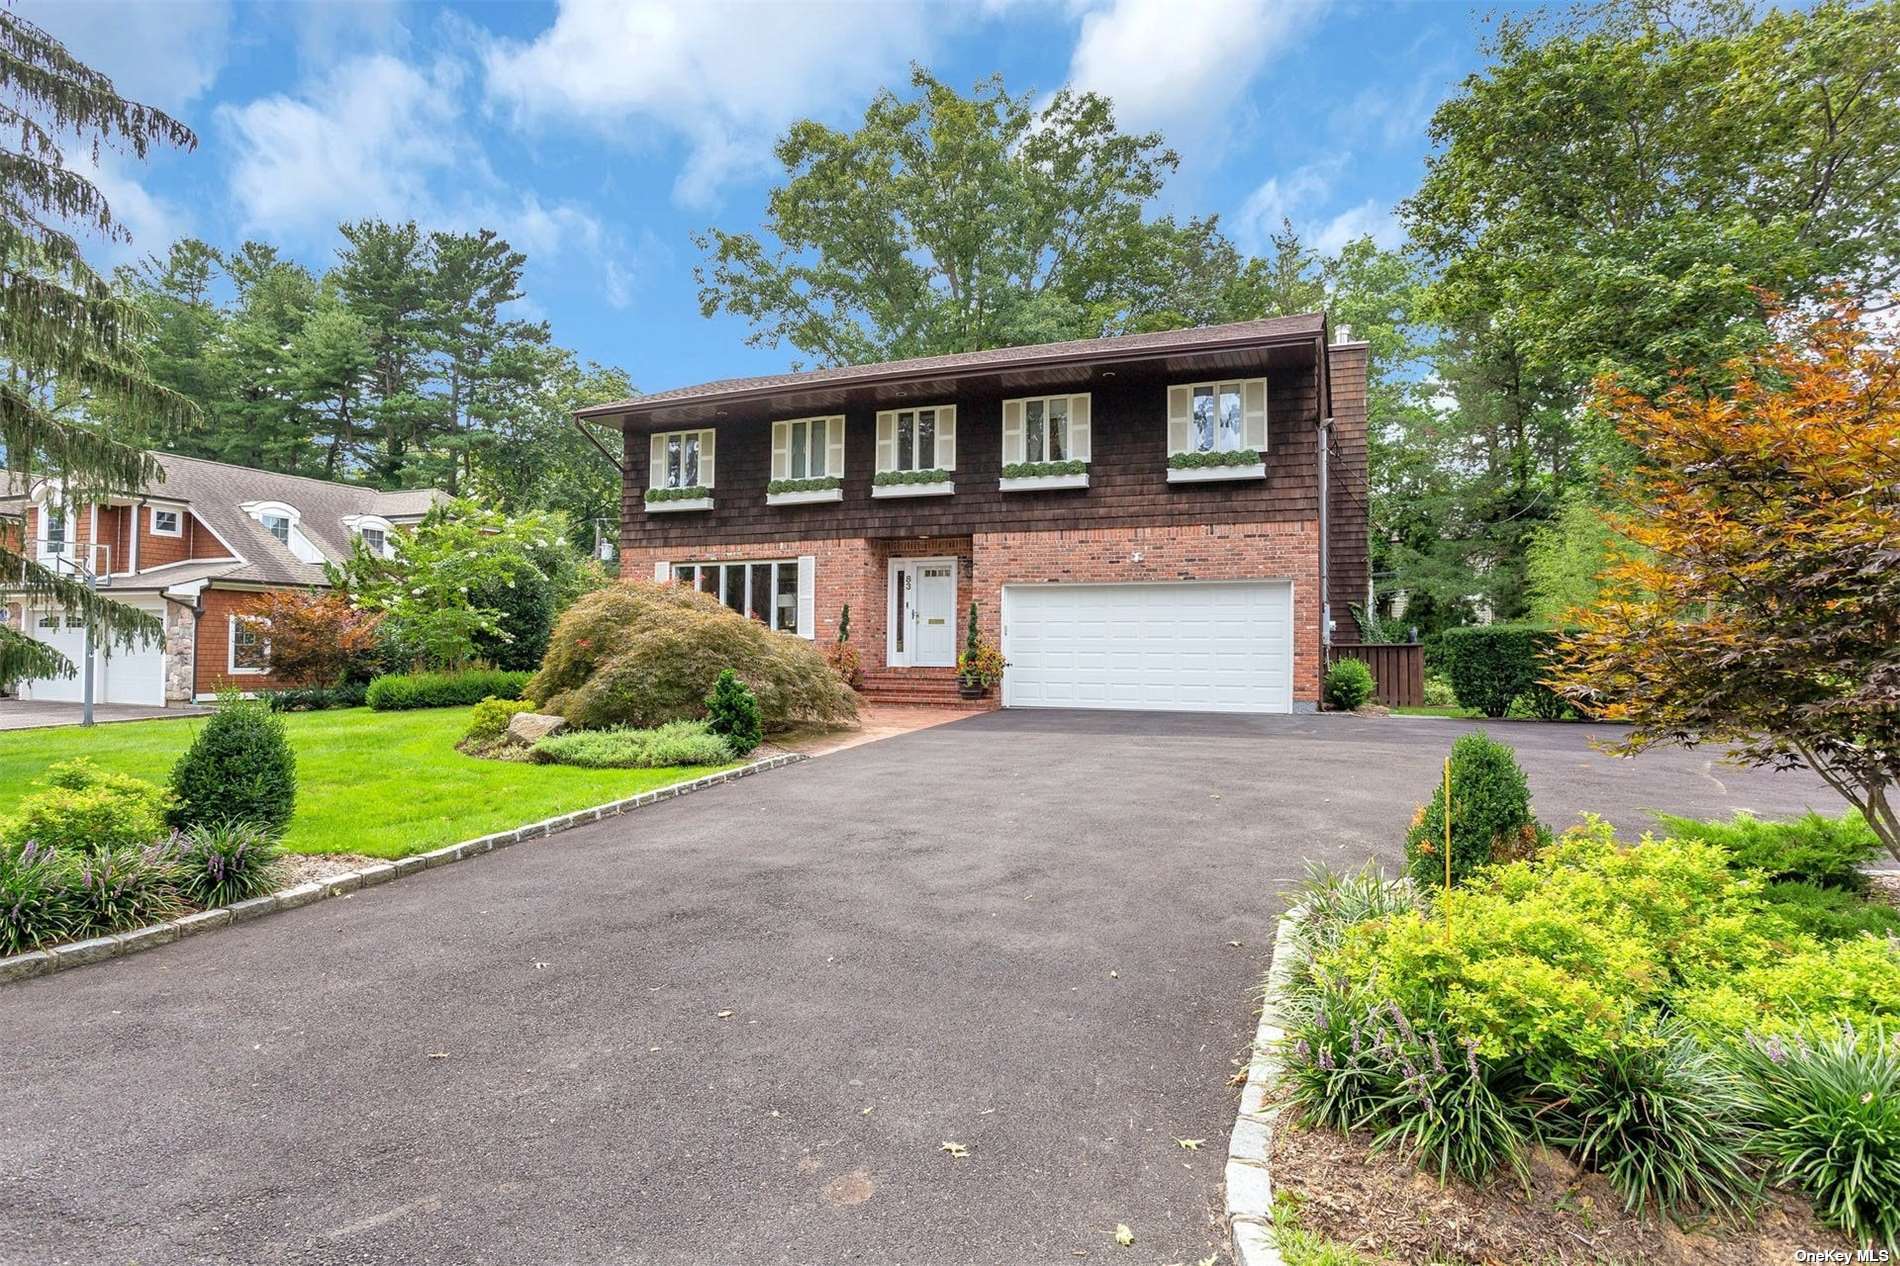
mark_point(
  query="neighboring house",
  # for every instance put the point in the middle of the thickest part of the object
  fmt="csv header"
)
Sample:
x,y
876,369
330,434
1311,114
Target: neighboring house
x,y
194,549
1120,582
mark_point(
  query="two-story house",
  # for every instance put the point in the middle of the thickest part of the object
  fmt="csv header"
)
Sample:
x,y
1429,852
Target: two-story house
x,y
1171,521
194,549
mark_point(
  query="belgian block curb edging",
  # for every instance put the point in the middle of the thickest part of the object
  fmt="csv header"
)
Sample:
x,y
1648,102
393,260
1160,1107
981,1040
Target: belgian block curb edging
x,y
1249,1182
79,953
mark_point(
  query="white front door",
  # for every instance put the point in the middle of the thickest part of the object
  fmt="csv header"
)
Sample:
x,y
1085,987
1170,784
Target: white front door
x,y
923,613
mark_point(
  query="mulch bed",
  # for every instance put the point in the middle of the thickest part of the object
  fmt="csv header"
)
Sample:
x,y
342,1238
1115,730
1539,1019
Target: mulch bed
x,y
304,868
1386,1208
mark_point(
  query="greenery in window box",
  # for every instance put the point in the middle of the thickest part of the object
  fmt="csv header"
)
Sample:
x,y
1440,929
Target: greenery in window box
x,y
824,483
678,494
1037,470
1202,461
886,478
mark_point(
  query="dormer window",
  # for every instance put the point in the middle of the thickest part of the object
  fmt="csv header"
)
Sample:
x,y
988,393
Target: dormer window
x,y
279,526
375,539
373,531
281,521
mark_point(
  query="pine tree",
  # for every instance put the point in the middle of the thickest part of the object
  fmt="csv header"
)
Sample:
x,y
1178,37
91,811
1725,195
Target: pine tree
x,y
67,339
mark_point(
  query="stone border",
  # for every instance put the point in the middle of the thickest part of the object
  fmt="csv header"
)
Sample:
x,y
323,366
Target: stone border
x,y
1250,1150
79,953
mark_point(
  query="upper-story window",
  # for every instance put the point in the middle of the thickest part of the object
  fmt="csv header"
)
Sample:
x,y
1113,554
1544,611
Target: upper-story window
x,y
167,522
681,459
282,522
373,531
922,438
1046,429
376,539
53,539
808,448
1218,417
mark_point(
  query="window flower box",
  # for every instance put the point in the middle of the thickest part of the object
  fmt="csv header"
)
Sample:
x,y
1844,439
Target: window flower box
x,y
913,483
1044,476
673,500
1199,468
804,492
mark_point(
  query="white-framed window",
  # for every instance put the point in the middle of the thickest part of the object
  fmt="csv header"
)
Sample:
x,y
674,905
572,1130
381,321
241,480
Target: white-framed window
x,y
376,539
75,620
922,438
681,459
279,525
1217,417
167,522
1046,429
49,622
53,535
808,448
282,521
250,645
778,593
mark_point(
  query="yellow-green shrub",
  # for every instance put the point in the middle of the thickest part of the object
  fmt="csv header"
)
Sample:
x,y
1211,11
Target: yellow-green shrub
x,y
1856,981
489,718
85,807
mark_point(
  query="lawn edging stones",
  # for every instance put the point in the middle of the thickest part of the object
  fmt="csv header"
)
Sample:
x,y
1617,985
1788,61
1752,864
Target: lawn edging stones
x,y
1248,1178
99,948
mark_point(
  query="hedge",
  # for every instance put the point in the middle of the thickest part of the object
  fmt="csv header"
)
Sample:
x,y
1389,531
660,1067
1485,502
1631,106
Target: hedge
x,y
1491,665
396,692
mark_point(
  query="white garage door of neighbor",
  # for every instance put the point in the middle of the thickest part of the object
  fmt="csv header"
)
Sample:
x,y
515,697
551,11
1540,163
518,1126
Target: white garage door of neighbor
x,y
135,675
1210,646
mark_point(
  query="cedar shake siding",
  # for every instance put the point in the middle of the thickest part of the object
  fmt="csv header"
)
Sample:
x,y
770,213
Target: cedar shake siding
x,y
1130,525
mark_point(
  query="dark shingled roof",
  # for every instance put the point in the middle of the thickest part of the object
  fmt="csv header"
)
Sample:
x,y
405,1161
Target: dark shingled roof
x,y
1195,339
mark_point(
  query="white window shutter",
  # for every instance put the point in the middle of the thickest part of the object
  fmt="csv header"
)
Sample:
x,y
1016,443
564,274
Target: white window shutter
x,y
1180,407
656,462
834,447
781,449
807,595
662,572
887,441
1253,414
706,458
1012,431
947,437
1079,428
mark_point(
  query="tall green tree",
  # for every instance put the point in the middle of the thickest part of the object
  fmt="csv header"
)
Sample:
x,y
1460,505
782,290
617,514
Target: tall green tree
x,y
65,334
487,366
383,275
948,222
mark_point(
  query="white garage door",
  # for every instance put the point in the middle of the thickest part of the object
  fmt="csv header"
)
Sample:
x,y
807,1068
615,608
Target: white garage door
x,y
136,675
1186,647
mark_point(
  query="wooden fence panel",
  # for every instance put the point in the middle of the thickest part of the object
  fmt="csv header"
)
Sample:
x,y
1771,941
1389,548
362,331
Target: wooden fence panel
x,y
1398,669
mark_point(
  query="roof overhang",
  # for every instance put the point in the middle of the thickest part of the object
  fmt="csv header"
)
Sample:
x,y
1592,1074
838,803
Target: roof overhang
x,y
1221,351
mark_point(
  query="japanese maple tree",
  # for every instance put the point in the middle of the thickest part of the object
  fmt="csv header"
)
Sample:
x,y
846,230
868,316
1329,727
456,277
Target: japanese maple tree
x,y
317,638
1762,610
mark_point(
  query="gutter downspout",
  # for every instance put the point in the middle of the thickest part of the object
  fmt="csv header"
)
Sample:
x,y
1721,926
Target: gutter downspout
x,y
1324,438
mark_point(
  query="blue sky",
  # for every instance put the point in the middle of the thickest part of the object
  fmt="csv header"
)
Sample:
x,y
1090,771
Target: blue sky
x,y
598,134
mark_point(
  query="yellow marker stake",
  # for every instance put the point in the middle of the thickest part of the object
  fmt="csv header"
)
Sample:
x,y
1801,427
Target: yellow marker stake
x,y
1448,850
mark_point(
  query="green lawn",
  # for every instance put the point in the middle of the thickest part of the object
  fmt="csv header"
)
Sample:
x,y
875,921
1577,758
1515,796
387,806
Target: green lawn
x,y
382,783
1453,711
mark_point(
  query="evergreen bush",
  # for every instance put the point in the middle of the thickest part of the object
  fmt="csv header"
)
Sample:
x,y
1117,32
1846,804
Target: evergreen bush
x,y
733,713
239,769
1491,814
1349,684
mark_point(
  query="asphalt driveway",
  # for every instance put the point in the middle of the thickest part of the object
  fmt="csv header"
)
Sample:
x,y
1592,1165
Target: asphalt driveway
x,y
1011,932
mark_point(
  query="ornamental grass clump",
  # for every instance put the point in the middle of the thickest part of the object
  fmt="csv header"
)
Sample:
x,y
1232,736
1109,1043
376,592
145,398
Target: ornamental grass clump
x,y
222,862
37,906
118,889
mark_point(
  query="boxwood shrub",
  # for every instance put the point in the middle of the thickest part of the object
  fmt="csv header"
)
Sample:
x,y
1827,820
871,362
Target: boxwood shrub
x,y
1490,666
678,494
398,692
1202,461
886,478
1037,470
239,769
823,483
1491,814
1349,684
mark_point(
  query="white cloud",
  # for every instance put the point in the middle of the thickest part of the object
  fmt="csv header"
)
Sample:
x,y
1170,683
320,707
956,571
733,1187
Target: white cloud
x,y
153,222
1301,197
1184,68
379,137
163,55
725,78
1394,116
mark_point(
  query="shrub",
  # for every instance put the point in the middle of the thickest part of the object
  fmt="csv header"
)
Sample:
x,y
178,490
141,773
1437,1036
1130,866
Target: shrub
x,y
37,906
1491,665
693,493
1348,685
1043,470
1438,692
350,694
733,713
1827,1117
1829,914
523,604
1490,818
1855,981
318,638
397,692
676,743
1200,461
1812,848
489,718
226,861
239,769
85,807
642,654
126,887
1663,1121
888,478
820,483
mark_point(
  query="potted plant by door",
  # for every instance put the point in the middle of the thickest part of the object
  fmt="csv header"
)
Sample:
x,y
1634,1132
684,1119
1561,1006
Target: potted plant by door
x,y
980,666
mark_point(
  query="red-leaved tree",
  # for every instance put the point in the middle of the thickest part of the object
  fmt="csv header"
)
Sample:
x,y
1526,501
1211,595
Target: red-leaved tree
x,y
1763,610
317,638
